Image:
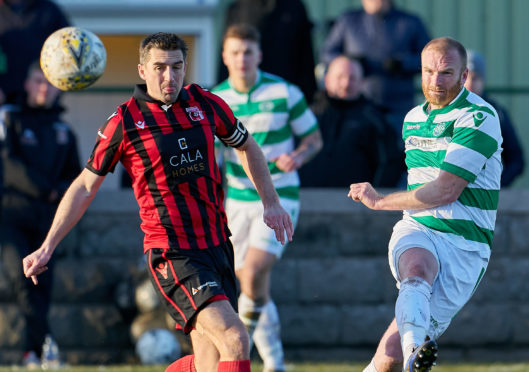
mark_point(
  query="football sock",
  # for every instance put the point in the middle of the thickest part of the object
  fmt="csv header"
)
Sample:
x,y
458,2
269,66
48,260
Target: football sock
x,y
371,367
234,366
249,312
412,312
267,338
184,364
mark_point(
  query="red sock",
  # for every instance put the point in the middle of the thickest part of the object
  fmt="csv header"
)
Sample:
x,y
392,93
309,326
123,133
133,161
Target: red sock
x,y
234,366
184,364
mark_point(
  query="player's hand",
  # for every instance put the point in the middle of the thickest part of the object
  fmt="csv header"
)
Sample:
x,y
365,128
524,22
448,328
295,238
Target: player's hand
x,y
364,193
35,264
279,220
288,162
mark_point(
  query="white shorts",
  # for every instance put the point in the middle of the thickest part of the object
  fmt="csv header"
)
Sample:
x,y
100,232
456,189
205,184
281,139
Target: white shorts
x,y
245,220
459,274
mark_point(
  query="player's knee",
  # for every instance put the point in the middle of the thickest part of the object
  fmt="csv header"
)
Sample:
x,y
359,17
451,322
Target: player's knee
x,y
253,273
235,343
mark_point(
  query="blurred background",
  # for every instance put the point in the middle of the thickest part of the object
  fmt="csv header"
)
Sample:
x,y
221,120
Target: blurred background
x,y
497,29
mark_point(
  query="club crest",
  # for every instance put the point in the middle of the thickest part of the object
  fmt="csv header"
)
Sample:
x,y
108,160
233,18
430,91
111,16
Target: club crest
x,y
195,113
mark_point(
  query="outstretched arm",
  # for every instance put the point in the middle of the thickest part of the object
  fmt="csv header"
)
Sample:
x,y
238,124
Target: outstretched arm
x,y
71,208
254,165
445,189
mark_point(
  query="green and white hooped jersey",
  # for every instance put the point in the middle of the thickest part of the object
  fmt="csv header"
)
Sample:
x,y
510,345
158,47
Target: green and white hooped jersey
x,y
273,111
463,138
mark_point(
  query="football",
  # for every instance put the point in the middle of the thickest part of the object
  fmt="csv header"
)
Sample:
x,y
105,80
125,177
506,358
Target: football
x,y
146,298
73,58
158,346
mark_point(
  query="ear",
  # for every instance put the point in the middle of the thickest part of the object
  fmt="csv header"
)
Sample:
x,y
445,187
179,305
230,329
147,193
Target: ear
x,y
464,76
224,57
259,57
141,71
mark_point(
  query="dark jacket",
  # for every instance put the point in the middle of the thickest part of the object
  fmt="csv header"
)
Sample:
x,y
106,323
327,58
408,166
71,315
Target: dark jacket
x,y
389,49
39,157
358,146
512,154
23,30
286,39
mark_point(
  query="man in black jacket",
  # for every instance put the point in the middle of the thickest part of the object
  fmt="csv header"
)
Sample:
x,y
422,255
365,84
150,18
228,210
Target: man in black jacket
x,y
24,26
512,155
40,159
358,144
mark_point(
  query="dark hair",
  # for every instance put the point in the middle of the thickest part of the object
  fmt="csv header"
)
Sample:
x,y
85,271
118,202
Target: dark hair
x,y
35,65
242,31
163,41
444,44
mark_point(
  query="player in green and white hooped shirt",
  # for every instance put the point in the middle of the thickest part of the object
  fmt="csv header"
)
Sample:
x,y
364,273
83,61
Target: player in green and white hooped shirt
x,y
273,111
439,251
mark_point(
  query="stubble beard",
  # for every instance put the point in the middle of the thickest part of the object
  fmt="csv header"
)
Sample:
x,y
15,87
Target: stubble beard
x,y
446,98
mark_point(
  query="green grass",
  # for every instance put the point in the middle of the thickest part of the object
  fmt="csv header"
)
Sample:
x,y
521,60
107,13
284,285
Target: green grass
x,y
306,367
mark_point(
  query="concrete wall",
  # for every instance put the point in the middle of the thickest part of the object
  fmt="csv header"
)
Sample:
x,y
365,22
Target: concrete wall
x,y
333,287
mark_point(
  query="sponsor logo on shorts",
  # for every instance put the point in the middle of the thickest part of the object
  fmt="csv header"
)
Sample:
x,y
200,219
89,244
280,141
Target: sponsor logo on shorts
x,y
162,269
206,284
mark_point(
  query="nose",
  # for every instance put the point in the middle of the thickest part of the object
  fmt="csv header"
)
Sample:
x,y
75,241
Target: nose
x,y
436,78
44,86
169,74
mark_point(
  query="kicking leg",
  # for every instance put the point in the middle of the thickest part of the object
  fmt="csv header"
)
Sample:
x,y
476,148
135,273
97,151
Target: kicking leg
x,y
417,270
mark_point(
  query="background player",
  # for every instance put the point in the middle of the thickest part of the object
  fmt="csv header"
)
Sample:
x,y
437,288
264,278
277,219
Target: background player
x,y
274,111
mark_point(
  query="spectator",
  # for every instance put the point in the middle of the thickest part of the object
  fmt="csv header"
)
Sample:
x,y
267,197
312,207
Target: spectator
x,y
286,39
24,26
358,144
512,155
388,42
40,159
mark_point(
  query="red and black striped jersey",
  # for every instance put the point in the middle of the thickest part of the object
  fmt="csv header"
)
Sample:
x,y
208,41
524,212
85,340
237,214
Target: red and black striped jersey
x,y
168,150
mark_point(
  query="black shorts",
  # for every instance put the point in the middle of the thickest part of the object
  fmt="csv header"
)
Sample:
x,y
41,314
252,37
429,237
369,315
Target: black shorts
x,y
188,279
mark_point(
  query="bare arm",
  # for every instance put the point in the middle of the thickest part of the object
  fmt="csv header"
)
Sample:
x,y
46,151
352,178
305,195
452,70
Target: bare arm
x,y
71,208
443,190
309,146
255,166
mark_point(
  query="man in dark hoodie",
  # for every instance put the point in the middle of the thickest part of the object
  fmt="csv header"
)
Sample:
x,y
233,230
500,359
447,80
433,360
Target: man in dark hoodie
x,y
40,159
24,26
358,144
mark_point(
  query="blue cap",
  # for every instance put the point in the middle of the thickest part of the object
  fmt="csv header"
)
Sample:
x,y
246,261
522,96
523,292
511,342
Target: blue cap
x,y
476,63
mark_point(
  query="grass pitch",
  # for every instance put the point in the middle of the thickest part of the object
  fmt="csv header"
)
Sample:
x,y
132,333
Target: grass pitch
x,y
304,367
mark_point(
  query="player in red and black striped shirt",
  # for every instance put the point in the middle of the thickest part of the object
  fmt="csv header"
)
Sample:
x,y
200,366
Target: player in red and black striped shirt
x,y
164,136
